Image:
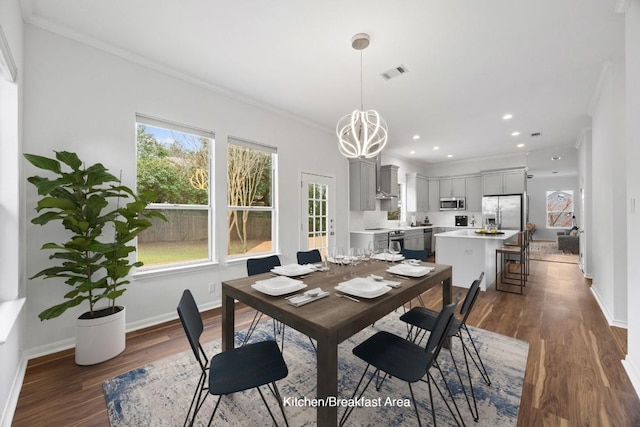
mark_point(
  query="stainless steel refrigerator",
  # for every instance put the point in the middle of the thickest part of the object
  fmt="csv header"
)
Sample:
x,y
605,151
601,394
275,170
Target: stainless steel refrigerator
x,y
508,212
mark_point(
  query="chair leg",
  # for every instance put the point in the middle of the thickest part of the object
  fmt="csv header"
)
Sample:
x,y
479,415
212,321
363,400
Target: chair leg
x,y
474,414
252,327
349,410
276,394
479,365
416,406
453,400
197,401
214,410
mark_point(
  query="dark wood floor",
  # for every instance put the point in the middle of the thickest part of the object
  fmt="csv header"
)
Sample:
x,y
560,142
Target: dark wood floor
x,y
574,375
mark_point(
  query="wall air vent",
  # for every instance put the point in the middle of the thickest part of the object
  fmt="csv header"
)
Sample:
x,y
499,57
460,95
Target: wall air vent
x,y
394,72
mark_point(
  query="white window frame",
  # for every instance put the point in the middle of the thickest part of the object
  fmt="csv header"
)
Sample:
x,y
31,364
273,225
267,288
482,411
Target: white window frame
x,y
275,243
191,130
571,214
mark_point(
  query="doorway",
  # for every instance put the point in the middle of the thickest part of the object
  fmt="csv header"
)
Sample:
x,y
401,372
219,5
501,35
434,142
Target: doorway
x,y
317,212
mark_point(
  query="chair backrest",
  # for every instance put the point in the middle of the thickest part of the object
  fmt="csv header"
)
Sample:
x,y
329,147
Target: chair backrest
x,y
309,257
262,265
192,325
440,331
414,254
472,294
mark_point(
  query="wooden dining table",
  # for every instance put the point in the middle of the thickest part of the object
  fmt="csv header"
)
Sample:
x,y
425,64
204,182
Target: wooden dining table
x,y
332,319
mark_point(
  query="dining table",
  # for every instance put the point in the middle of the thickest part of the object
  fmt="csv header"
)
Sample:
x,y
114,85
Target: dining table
x,y
332,319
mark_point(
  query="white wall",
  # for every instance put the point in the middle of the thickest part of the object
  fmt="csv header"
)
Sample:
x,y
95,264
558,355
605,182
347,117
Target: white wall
x,y
12,363
608,168
632,60
537,190
81,99
585,182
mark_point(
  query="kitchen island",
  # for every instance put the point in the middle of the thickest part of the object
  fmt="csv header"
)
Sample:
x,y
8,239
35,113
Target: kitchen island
x,y
470,253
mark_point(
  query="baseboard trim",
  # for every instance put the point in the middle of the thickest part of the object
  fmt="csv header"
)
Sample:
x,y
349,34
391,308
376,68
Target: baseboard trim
x,y
603,308
633,373
9,409
68,343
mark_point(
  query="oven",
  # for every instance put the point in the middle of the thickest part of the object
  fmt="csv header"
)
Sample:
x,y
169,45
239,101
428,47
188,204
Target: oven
x,y
397,236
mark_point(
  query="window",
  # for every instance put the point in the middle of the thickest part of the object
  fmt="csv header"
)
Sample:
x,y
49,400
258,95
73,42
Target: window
x,y
250,198
398,212
173,161
560,209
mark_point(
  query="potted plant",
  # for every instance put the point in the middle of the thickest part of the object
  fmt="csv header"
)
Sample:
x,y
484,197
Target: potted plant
x,y
103,217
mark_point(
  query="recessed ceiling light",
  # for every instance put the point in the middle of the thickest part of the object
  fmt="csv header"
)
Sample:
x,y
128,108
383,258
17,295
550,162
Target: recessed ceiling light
x,y
436,148
449,155
554,172
520,145
416,136
556,158
412,152
507,116
516,133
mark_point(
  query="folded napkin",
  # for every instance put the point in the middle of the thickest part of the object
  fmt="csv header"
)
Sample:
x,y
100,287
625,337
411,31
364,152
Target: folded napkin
x,y
307,297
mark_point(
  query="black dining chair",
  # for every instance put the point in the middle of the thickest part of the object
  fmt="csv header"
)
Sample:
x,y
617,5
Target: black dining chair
x,y
309,257
400,358
424,320
231,371
259,266
421,255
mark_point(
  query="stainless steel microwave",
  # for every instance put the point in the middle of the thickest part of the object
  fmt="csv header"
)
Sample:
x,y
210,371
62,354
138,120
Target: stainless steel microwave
x,y
452,204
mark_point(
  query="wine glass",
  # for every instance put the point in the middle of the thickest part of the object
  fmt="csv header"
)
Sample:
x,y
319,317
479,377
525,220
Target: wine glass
x,y
394,249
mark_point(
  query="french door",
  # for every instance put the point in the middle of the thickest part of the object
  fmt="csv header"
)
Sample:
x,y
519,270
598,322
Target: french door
x,y
317,212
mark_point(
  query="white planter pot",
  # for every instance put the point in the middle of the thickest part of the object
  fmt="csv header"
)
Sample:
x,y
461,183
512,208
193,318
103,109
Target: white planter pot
x,y
100,338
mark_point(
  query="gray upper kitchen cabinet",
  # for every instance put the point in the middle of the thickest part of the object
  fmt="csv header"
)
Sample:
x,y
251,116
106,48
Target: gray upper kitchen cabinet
x,y
504,182
474,193
414,239
452,187
362,185
434,195
417,193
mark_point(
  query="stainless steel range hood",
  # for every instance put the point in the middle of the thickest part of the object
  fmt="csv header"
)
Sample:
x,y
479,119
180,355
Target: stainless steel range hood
x,y
384,184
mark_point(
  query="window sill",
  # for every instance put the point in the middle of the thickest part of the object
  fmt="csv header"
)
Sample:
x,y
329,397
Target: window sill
x,y
167,271
9,312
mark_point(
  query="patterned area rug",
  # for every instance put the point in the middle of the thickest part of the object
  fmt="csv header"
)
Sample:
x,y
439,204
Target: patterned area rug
x,y
159,394
547,250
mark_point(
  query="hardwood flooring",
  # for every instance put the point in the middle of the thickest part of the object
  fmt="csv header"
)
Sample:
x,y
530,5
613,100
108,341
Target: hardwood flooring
x,y
573,377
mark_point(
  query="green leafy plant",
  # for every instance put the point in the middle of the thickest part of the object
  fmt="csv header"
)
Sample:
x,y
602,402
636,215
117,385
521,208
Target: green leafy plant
x,y
95,260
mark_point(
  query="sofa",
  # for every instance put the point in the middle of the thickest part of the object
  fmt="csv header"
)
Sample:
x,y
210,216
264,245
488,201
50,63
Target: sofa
x,y
569,241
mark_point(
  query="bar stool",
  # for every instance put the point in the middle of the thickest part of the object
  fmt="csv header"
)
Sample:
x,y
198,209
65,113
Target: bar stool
x,y
507,255
528,236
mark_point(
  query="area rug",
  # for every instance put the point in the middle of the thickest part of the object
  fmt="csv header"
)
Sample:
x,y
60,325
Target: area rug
x,y
159,394
547,250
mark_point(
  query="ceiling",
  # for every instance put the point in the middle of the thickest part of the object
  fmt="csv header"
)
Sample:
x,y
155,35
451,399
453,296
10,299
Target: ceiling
x,y
469,62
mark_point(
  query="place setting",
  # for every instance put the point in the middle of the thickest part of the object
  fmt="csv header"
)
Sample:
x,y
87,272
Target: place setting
x,y
368,287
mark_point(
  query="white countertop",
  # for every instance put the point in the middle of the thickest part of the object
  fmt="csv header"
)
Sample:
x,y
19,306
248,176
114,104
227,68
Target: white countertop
x,y
408,228
471,234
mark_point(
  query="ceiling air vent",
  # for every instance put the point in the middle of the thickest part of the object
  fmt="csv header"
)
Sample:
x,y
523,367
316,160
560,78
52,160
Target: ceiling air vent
x,y
394,72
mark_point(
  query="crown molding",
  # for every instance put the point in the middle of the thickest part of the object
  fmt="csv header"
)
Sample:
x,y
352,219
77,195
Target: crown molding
x,y
7,64
606,67
158,67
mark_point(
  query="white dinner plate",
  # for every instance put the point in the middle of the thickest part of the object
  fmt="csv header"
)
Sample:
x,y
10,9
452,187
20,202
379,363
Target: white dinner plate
x,y
410,270
364,285
293,270
388,257
383,290
277,292
278,283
